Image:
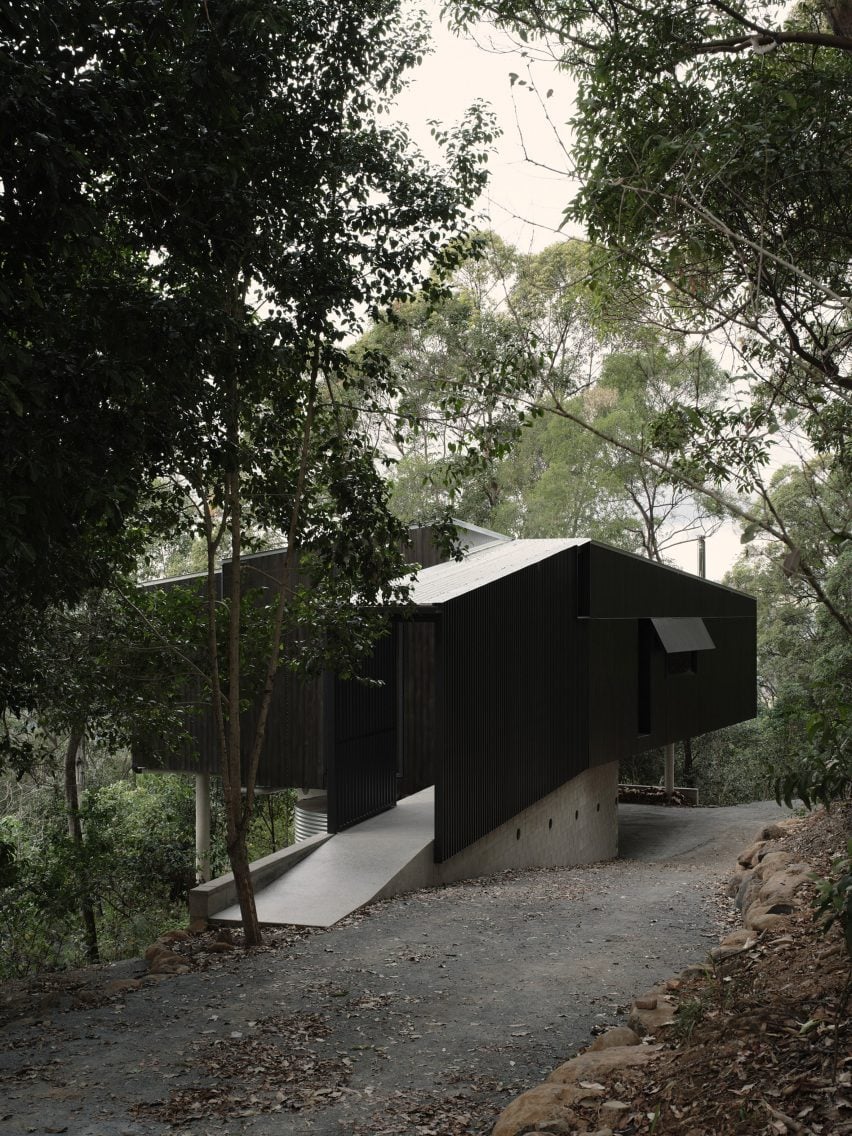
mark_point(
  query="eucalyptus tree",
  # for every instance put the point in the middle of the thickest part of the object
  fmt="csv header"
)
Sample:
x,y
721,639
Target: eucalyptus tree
x,y
804,657
592,451
712,152
471,362
517,390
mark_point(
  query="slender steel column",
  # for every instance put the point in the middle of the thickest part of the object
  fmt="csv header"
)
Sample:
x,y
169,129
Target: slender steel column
x,y
202,827
670,750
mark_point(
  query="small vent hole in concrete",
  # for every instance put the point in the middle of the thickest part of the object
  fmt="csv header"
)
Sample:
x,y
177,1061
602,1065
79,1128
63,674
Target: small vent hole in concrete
x,y
518,835
576,814
550,823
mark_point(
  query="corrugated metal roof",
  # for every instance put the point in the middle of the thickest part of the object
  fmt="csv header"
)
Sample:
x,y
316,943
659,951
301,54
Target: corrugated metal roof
x,y
444,582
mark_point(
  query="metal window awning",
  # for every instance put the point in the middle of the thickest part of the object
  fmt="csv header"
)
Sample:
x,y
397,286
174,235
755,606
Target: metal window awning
x,y
683,634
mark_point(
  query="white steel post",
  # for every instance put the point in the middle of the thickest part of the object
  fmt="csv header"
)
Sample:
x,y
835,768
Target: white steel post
x,y
202,826
670,751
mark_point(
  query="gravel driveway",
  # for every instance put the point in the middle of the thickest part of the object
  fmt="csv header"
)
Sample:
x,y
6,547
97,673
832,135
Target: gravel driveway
x,y
422,1015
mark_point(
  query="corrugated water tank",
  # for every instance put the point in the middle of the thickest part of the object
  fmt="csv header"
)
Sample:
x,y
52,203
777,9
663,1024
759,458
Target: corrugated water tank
x,y
311,817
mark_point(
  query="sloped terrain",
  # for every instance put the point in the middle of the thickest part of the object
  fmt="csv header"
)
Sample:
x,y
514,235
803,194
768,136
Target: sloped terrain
x,y
758,1040
422,1016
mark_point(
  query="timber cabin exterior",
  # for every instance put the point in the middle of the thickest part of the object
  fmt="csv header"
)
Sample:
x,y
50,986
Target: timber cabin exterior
x,y
520,668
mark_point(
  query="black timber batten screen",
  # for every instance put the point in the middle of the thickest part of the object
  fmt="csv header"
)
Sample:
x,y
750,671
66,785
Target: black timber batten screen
x,y
361,730
527,663
511,725
547,667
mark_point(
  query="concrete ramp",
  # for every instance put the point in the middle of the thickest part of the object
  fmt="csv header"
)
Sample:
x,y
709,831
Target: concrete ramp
x,y
349,870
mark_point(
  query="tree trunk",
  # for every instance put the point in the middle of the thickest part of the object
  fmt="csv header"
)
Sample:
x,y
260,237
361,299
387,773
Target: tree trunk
x,y
75,831
238,811
688,768
238,856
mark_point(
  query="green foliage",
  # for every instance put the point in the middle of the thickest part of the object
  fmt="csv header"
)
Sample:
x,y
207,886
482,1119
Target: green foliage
x,y
199,205
711,145
273,823
92,358
136,865
510,386
834,897
103,666
729,766
804,655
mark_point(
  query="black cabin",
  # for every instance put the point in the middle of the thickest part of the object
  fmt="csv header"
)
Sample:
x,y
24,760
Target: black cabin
x,y
519,667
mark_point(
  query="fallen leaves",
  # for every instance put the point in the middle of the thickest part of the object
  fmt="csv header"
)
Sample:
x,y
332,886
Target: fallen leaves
x,y
273,1068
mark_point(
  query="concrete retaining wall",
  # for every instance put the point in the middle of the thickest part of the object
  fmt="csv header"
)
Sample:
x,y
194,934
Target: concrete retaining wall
x,y
575,824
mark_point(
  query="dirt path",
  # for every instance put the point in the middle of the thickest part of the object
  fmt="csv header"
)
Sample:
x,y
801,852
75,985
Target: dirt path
x,y
422,1015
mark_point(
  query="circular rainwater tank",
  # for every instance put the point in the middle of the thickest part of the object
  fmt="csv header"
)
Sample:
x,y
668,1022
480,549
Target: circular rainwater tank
x,y
311,817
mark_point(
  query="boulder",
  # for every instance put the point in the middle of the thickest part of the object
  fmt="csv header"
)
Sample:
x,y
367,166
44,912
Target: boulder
x,y
651,1019
167,962
557,1127
177,936
751,855
721,953
781,888
762,917
771,832
748,892
742,937
197,926
543,1105
733,885
217,947
592,1066
772,862
767,921
617,1036
174,965
615,1106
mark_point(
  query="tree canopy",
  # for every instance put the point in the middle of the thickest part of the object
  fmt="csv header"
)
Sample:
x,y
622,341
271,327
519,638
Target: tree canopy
x,y
229,170
711,145
511,390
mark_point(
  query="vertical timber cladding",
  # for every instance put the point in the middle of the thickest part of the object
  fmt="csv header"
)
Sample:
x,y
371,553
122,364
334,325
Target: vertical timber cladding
x,y
511,701
361,749
292,751
418,726
638,699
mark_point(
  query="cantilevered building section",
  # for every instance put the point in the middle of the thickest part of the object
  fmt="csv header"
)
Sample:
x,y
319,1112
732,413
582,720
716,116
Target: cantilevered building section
x,y
526,667
555,657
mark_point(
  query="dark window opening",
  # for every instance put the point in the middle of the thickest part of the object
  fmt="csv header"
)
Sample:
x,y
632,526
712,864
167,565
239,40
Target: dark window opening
x,y
682,662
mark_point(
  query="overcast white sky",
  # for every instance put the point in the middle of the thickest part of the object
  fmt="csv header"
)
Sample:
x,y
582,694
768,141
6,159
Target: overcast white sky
x,y
530,182
524,202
